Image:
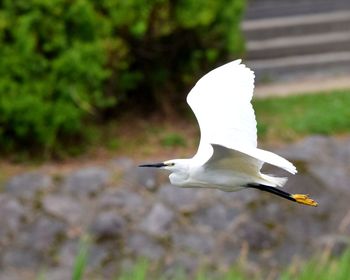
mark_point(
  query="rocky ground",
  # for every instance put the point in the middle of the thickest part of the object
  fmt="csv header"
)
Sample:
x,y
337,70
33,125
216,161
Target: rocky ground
x,y
130,212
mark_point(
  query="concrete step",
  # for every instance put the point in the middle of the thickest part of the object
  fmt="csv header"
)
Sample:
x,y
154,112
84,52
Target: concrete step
x,y
298,45
288,40
306,84
280,8
289,68
262,29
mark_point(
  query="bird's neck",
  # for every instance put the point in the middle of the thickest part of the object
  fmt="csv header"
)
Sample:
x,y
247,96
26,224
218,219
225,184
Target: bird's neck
x,y
179,178
180,173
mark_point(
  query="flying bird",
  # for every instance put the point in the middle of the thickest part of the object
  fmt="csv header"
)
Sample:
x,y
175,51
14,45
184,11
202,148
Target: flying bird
x,y
227,157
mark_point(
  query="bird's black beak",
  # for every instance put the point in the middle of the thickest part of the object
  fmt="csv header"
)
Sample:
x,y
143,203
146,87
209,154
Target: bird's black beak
x,y
158,165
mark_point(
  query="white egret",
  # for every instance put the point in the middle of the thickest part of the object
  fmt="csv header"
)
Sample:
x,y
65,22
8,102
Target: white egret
x,y
228,158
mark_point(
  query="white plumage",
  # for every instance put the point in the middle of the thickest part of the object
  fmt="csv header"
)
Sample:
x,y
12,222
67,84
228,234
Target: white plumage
x,y
221,101
227,156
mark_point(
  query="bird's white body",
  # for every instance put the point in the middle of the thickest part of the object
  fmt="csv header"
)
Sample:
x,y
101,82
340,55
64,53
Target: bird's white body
x,y
200,177
228,170
227,157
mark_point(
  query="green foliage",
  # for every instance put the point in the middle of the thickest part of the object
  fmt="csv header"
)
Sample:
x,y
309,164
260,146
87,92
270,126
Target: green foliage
x,y
324,113
113,144
65,63
139,271
319,268
173,140
322,269
81,259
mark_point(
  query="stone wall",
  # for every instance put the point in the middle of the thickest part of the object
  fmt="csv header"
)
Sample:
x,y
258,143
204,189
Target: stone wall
x,y
130,212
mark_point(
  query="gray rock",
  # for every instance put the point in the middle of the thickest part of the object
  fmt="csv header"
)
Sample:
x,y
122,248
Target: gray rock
x,y
341,150
327,159
21,258
144,246
217,217
238,199
68,253
11,215
182,199
307,149
196,243
63,207
148,178
127,201
58,273
28,185
86,182
157,222
108,225
98,255
181,265
336,177
334,243
305,183
227,251
319,149
42,235
247,232
257,235
142,178
18,274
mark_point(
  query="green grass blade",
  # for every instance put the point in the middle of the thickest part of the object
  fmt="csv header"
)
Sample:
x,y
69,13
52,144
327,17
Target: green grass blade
x,y
80,261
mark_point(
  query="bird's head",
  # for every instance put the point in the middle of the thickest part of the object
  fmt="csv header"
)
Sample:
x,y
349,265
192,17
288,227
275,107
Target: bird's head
x,y
174,165
179,169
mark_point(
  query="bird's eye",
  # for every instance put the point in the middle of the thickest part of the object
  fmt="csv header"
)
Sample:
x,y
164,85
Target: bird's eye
x,y
171,163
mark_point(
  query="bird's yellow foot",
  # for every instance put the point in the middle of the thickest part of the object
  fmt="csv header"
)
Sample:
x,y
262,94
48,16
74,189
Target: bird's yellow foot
x,y
304,199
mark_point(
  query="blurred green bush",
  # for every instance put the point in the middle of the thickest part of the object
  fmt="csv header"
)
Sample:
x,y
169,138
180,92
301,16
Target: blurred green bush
x,y
65,63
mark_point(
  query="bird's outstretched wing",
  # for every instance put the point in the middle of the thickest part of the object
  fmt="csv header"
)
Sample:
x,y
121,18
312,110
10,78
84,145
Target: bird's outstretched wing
x,y
221,101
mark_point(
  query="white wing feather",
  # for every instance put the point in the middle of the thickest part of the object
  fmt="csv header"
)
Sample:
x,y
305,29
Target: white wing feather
x,y
221,101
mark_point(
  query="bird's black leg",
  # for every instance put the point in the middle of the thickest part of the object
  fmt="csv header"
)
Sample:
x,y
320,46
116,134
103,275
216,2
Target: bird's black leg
x,y
272,190
300,198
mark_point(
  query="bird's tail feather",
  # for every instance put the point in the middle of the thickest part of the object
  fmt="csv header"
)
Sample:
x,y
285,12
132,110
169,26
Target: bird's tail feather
x,y
275,160
272,181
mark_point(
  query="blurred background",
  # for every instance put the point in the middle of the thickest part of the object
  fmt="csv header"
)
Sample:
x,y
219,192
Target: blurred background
x,y
90,89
